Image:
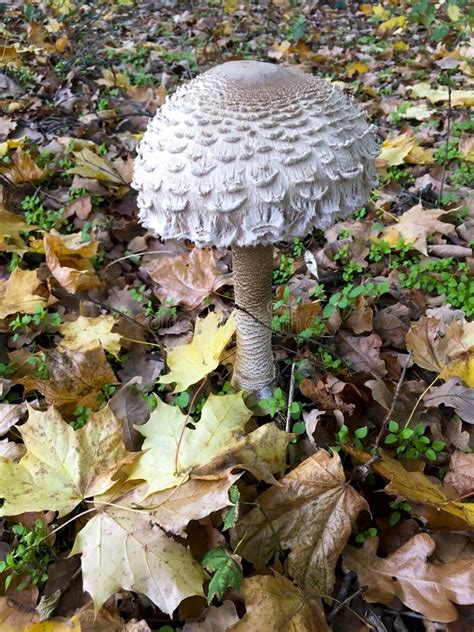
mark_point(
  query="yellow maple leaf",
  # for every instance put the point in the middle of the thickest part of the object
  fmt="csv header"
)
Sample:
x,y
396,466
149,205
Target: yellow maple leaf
x,y
395,149
380,12
85,333
459,98
356,67
190,363
392,24
19,293
90,165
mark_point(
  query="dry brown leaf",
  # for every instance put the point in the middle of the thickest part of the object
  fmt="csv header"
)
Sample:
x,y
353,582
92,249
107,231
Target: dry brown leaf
x,y
274,603
21,292
214,619
363,352
186,279
69,261
455,395
23,169
360,319
11,227
461,473
416,486
74,378
10,414
312,512
430,589
415,226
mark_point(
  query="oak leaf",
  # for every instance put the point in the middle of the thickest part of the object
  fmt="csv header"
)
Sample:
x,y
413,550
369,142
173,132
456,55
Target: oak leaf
x,y
415,226
311,512
85,333
430,589
123,549
274,603
186,279
21,293
62,467
69,261
190,363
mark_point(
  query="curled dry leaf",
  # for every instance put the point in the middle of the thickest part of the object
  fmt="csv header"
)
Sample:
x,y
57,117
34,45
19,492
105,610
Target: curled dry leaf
x,y
62,467
312,512
21,292
416,486
186,279
430,589
415,226
84,334
461,473
190,363
10,414
69,261
455,395
73,378
123,549
274,603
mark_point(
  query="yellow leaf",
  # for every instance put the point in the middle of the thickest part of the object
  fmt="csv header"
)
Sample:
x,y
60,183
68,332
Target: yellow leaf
x,y
24,169
112,80
415,226
7,54
356,67
459,98
380,12
392,24
399,45
12,143
366,9
11,227
53,26
19,293
395,150
69,261
62,466
90,165
230,6
190,363
454,12
172,451
84,333
418,112
419,156
61,43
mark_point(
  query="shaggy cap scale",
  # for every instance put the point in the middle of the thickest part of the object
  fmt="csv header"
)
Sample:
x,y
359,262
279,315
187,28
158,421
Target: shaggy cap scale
x,y
252,153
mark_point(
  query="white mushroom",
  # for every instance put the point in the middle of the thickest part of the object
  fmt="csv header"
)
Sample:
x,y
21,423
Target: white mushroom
x,y
246,155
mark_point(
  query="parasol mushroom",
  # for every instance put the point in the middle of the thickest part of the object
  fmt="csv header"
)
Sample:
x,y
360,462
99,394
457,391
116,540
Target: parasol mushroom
x,y
245,155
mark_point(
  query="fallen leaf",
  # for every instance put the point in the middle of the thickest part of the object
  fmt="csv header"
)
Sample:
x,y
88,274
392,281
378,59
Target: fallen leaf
x,y
113,80
11,451
363,352
122,549
11,227
419,112
311,512
394,150
455,395
21,293
23,168
84,334
186,279
430,589
190,363
356,67
415,226
397,22
466,148
459,98
69,261
416,486
274,603
461,473
10,414
214,619
62,467
16,617
74,378
90,165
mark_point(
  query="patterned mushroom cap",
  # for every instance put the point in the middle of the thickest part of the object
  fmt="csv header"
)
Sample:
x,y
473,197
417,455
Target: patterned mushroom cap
x,y
253,153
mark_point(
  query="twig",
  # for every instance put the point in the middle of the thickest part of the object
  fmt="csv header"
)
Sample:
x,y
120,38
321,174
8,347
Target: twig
x,y
446,147
290,397
342,604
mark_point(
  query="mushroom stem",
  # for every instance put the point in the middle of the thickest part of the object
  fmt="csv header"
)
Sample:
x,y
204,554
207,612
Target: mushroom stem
x,y
254,366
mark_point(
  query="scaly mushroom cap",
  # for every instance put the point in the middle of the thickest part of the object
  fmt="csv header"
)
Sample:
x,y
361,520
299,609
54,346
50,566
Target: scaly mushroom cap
x,y
253,153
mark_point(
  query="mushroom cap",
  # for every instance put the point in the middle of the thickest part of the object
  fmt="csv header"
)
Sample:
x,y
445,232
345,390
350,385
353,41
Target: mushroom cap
x,y
253,153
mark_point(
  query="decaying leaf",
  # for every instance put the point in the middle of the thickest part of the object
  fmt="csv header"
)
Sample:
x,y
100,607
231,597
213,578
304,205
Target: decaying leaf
x,y
84,334
17,617
312,512
274,603
62,467
455,395
126,549
459,98
461,473
11,228
23,168
21,292
363,352
214,619
192,362
430,589
417,487
90,165
415,226
403,148
445,349
69,260
186,279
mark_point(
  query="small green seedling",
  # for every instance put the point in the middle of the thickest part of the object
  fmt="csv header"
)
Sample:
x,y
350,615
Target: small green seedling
x,y
227,572
398,508
411,443
365,535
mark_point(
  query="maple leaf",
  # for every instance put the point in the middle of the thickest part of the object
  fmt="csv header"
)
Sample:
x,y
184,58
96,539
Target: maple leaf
x,y
18,617
429,589
459,98
186,279
62,467
90,165
190,363
274,603
455,395
363,352
312,512
23,168
445,349
173,452
68,259
415,226
19,293
123,549
84,334
416,486
11,227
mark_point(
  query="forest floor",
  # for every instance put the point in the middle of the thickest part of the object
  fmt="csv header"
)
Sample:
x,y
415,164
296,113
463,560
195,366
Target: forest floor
x,y
342,502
